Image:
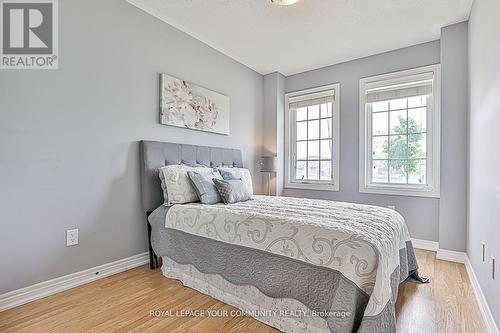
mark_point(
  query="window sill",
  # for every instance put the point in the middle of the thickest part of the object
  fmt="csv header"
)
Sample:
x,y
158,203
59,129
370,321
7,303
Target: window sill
x,y
407,192
314,187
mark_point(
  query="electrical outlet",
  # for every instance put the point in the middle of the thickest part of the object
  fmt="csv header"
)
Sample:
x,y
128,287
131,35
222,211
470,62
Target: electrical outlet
x,y
71,237
483,251
391,207
493,267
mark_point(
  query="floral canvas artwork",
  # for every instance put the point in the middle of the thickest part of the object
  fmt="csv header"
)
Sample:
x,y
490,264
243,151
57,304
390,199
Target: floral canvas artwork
x,y
184,104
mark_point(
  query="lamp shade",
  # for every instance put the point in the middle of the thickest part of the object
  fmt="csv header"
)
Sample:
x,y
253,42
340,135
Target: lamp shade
x,y
268,164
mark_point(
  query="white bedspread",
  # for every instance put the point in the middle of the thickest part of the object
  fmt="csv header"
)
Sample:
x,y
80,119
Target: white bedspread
x,y
360,241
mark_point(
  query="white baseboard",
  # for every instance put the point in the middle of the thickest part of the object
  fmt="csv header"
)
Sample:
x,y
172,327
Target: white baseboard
x,y
441,254
28,294
489,321
425,244
454,256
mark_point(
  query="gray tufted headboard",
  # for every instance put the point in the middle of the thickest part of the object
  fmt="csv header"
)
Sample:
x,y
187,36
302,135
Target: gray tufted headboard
x,y
157,154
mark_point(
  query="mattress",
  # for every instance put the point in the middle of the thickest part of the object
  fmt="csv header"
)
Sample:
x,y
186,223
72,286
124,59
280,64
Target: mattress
x,y
331,257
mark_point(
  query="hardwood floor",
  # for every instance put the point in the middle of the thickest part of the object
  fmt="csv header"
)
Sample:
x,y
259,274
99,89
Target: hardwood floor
x,y
446,304
122,303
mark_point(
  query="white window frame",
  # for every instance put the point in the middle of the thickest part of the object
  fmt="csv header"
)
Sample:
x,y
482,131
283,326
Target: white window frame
x,y
290,137
432,188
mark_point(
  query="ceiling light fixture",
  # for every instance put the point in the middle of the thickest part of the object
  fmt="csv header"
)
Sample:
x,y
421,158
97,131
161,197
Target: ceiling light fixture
x,y
284,2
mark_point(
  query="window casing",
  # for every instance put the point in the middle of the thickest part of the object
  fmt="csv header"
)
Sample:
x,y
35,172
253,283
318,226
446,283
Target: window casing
x,y
312,138
400,133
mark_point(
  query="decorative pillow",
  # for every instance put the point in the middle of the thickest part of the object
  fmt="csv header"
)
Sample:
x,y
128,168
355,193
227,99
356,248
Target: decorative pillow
x,y
233,190
238,173
177,187
205,187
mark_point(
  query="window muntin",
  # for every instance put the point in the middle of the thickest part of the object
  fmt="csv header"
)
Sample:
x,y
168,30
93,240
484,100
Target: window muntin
x,y
398,140
312,139
313,142
400,132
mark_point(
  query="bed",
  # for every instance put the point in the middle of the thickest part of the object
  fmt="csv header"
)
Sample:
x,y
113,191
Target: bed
x,y
299,265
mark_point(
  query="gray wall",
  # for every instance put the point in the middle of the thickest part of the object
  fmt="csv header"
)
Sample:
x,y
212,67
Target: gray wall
x,y
484,154
68,138
421,214
453,201
272,125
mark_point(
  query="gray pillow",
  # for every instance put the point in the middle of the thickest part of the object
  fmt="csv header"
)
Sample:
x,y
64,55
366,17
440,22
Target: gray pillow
x,y
232,190
238,173
204,186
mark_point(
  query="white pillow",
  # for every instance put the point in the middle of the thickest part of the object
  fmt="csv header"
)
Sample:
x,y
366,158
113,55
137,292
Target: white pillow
x,y
238,173
175,183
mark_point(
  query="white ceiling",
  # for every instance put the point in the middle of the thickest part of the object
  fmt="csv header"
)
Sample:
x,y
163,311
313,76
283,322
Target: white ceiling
x,y
309,34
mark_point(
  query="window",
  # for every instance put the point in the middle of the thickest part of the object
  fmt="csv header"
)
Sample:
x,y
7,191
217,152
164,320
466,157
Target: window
x,y
400,133
312,132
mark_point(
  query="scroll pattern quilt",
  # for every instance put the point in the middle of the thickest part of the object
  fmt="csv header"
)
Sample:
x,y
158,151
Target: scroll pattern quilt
x,y
361,242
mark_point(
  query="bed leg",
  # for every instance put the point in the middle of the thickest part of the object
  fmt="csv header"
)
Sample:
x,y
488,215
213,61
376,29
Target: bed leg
x,y
153,263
